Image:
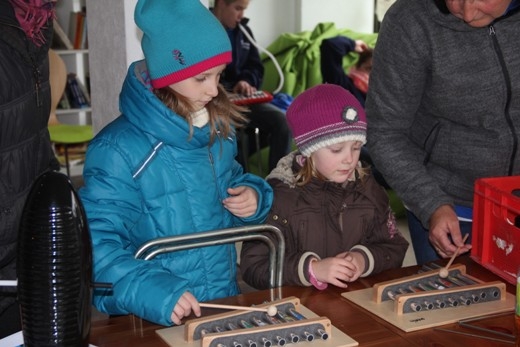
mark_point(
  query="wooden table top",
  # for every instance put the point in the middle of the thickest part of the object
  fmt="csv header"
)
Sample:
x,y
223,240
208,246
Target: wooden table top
x,y
361,325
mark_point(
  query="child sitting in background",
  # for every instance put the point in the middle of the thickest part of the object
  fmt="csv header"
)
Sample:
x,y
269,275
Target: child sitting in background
x,y
332,51
336,219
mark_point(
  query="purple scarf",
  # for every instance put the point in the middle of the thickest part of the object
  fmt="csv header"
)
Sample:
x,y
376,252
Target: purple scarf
x,y
33,15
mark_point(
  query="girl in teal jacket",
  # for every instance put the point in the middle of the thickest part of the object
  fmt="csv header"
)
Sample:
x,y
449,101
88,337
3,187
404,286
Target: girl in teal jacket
x,y
166,167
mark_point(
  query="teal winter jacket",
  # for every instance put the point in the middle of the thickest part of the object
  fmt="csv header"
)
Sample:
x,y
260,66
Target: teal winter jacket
x,y
145,178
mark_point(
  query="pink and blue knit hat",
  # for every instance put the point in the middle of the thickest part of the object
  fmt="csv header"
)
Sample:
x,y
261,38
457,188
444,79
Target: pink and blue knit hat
x,y
181,39
324,115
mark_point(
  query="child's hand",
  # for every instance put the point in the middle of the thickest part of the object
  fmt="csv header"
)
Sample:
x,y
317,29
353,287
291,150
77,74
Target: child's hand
x,y
184,306
243,201
356,259
361,46
335,270
244,88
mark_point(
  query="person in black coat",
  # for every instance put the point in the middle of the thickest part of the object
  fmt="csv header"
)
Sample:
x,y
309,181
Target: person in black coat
x,y
25,148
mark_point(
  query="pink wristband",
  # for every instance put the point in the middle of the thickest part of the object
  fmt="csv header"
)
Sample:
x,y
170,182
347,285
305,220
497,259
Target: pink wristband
x,y
317,284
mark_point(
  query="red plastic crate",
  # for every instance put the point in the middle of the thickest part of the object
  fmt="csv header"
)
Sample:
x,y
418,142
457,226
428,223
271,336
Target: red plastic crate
x,y
496,225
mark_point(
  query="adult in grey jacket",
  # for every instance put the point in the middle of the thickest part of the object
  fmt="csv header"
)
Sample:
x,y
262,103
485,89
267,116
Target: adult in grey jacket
x,y
443,110
25,149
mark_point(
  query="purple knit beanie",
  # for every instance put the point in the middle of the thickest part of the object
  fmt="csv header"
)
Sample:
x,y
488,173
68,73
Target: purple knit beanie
x,y
324,115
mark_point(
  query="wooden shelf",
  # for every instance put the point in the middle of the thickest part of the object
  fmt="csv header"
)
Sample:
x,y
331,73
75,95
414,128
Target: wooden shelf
x,y
62,111
76,61
71,51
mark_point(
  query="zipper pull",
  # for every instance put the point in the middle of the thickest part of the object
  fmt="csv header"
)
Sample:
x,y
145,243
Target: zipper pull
x,y
37,77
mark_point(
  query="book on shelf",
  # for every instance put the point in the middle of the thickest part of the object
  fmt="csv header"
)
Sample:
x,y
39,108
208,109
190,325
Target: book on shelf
x,y
60,38
84,37
78,29
77,93
84,90
64,103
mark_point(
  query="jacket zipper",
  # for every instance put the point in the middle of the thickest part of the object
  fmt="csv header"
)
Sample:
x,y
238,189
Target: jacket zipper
x,y
507,79
212,162
36,72
37,86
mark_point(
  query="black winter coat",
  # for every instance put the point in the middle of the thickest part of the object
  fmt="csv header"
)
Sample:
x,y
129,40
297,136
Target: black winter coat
x,y
25,148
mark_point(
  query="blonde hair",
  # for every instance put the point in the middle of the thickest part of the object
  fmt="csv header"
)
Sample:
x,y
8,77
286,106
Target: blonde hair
x,y
223,114
308,171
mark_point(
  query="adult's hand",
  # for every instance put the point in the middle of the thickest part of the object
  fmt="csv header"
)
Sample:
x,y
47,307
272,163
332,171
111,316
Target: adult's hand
x,y
443,225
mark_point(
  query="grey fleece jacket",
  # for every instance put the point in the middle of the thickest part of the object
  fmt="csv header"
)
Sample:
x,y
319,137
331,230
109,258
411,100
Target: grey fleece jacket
x,y
443,105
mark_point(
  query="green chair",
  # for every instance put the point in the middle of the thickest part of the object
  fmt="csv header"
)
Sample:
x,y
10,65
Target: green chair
x,y
66,135
63,134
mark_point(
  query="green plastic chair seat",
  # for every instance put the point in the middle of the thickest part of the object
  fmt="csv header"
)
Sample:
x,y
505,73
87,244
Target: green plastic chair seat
x,y
70,134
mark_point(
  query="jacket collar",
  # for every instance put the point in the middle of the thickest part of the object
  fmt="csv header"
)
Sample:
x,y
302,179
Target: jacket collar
x,y
142,108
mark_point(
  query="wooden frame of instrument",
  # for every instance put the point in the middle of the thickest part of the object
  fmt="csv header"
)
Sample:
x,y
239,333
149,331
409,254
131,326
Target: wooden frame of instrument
x,y
377,300
190,333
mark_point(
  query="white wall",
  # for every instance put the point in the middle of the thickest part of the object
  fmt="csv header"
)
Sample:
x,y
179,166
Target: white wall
x,y
352,14
133,34
114,38
270,18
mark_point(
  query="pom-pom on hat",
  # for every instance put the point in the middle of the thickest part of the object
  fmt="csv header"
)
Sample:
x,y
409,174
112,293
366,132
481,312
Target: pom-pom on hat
x,y
324,115
181,38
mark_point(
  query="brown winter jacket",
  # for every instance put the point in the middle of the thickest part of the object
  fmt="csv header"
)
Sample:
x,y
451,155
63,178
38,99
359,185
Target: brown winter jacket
x,y
323,219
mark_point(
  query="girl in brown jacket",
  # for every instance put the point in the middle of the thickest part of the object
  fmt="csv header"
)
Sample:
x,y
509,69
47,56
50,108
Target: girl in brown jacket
x,y
336,219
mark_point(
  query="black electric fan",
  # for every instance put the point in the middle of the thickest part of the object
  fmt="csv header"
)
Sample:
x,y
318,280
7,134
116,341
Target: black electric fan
x,y
54,265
